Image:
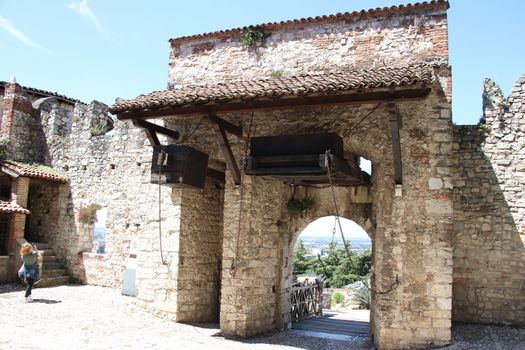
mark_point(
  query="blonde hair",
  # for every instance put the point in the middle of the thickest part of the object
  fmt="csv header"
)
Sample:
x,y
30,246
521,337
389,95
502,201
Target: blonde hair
x,y
26,249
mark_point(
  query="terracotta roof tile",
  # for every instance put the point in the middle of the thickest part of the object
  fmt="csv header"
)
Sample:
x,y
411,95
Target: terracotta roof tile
x,y
8,207
334,82
328,18
35,171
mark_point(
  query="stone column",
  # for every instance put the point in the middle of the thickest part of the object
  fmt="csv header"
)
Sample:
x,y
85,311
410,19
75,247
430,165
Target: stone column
x,y
200,254
413,242
19,195
251,239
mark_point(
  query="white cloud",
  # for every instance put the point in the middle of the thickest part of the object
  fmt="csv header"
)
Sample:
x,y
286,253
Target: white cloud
x,y
6,25
83,9
325,225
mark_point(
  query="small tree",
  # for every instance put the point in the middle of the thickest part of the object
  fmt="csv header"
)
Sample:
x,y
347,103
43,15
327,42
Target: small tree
x,y
301,263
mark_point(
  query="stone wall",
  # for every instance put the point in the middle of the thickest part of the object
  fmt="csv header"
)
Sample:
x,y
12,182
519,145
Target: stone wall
x,y
489,212
319,46
412,231
200,254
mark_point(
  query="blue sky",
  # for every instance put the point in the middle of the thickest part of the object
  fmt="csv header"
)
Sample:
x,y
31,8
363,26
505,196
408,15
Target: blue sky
x,y
100,49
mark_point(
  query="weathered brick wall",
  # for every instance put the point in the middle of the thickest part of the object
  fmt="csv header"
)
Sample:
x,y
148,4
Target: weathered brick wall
x,y
489,212
361,41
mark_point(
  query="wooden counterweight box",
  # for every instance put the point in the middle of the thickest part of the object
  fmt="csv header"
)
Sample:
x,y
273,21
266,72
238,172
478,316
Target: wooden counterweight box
x,y
178,166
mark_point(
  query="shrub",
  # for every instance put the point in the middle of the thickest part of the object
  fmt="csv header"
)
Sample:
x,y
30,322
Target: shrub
x,y
337,298
362,296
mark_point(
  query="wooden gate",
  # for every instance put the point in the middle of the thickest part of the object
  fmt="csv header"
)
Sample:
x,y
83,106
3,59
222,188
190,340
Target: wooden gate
x,y
307,301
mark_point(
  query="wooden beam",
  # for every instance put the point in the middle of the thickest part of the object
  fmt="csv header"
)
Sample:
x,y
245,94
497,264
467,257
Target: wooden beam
x,y
356,98
395,121
226,125
156,128
216,175
227,153
150,134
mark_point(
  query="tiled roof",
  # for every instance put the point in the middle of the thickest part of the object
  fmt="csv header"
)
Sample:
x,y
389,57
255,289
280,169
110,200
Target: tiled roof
x,y
44,93
307,84
8,207
35,171
329,18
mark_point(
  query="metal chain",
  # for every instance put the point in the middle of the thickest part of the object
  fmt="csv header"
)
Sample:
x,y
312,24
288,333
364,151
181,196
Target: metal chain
x,y
396,283
233,266
327,161
160,163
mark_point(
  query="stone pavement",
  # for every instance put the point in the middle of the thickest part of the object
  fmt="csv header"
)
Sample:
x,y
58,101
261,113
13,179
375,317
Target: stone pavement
x,y
89,317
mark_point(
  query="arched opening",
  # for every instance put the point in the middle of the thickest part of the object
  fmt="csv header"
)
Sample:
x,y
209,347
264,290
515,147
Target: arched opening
x,y
332,263
99,231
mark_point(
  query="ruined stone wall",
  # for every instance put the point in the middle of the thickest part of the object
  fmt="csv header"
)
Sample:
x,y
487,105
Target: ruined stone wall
x,y
20,127
489,212
110,170
302,47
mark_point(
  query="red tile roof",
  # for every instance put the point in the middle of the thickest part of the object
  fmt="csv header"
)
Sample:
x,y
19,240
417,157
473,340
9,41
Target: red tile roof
x,y
308,84
377,12
35,171
8,207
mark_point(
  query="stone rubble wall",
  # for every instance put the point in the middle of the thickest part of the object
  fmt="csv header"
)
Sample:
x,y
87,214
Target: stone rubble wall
x,y
489,212
308,48
111,170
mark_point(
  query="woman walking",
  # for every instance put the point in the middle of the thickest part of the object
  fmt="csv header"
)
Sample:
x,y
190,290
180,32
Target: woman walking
x,y
29,271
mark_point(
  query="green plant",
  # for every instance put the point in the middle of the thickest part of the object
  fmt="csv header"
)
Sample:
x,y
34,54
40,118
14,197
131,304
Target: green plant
x,y
299,205
337,298
276,74
251,36
362,296
484,129
98,128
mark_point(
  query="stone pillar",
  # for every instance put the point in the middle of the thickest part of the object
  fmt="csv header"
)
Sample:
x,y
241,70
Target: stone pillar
x,y
19,195
249,300
200,254
413,242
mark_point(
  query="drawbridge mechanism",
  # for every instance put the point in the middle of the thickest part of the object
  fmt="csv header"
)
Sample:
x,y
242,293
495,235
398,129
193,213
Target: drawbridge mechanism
x,y
302,160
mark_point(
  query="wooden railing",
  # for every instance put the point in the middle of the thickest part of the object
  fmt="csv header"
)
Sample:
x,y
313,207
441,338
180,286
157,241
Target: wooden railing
x,y
306,301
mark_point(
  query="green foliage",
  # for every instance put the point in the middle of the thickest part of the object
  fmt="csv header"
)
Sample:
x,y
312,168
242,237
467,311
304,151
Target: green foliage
x,y
362,296
299,205
251,36
484,129
276,74
301,263
337,298
336,268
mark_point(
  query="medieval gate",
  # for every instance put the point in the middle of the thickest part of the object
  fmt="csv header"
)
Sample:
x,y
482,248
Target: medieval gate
x,y
237,122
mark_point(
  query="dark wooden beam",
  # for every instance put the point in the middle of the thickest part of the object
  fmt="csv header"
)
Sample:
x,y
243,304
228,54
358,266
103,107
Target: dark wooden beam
x,y
355,98
216,175
226,125
156,128
150,134
227,153
395,122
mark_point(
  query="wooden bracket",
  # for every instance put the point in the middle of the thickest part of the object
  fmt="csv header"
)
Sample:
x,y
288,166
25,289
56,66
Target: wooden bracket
x,y
226,125
151,131
227,153
395,123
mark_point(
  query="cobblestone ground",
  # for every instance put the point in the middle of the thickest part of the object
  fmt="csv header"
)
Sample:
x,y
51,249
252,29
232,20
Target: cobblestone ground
x,y
89,317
